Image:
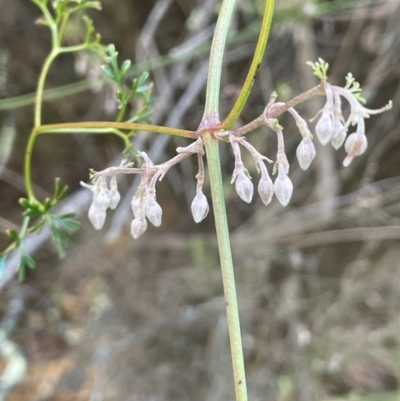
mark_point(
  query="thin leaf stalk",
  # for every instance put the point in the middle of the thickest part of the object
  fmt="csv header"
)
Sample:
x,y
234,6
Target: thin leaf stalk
x,y
255,65
211,110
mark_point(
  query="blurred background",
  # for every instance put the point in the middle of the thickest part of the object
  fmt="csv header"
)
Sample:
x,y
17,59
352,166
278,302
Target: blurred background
x,y
318,281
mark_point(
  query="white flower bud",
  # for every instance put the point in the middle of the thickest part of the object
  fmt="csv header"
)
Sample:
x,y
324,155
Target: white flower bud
x,y
138,226
102,198
356,144
339,135
199,206
115,197
97,216
305,153
137,204
244,186
324,127
265,185
283,187
154,212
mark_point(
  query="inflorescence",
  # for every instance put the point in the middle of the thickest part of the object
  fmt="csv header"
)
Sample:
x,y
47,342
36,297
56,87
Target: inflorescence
x,y
331,127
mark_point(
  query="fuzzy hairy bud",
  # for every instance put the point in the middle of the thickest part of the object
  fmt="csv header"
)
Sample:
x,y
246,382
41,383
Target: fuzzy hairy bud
x,y
305,153
97,216
138,226
154,212
283,186
101,196
356,144
265,185
324,127
137,203
244,186
115,196
199,206
339,134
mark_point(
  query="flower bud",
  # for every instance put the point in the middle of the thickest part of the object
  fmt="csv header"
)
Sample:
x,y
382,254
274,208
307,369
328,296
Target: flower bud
x,y
244,186
138,226
356,144
265,185
283,187
324,127
137,203
305,153
199,206
339,135
102,198
97,216
154,212
115,197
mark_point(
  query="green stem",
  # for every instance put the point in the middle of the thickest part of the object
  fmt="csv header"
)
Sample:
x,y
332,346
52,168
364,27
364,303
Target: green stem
x,y
225,254
209,124
211,110
66,128
255,65
42,79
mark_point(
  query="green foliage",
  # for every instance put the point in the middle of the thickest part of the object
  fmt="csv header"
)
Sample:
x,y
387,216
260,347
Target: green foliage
x,y
354,87
37,214
61,226
57,18
139,88
320,69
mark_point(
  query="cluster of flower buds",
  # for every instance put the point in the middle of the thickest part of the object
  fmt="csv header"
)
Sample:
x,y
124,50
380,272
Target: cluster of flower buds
x,y
331,127
144,203
104,197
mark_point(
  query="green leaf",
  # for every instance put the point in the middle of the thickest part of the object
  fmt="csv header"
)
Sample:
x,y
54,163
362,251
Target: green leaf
x,y
60,227
125,67
13,235
109,72
142,88
60,189
38,225
28,261
24,203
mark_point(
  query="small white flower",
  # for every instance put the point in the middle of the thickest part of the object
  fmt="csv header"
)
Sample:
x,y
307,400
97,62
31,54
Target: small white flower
x,y
355,145
115,197
154,212
138,227
305,153
244,186
283,186
339,134
324,127
199,206
101,194
97,216
265,185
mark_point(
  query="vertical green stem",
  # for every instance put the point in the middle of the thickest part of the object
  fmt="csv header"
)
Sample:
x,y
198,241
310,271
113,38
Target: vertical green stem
x,y
216,57
27,166
228,276
40,87
209,124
